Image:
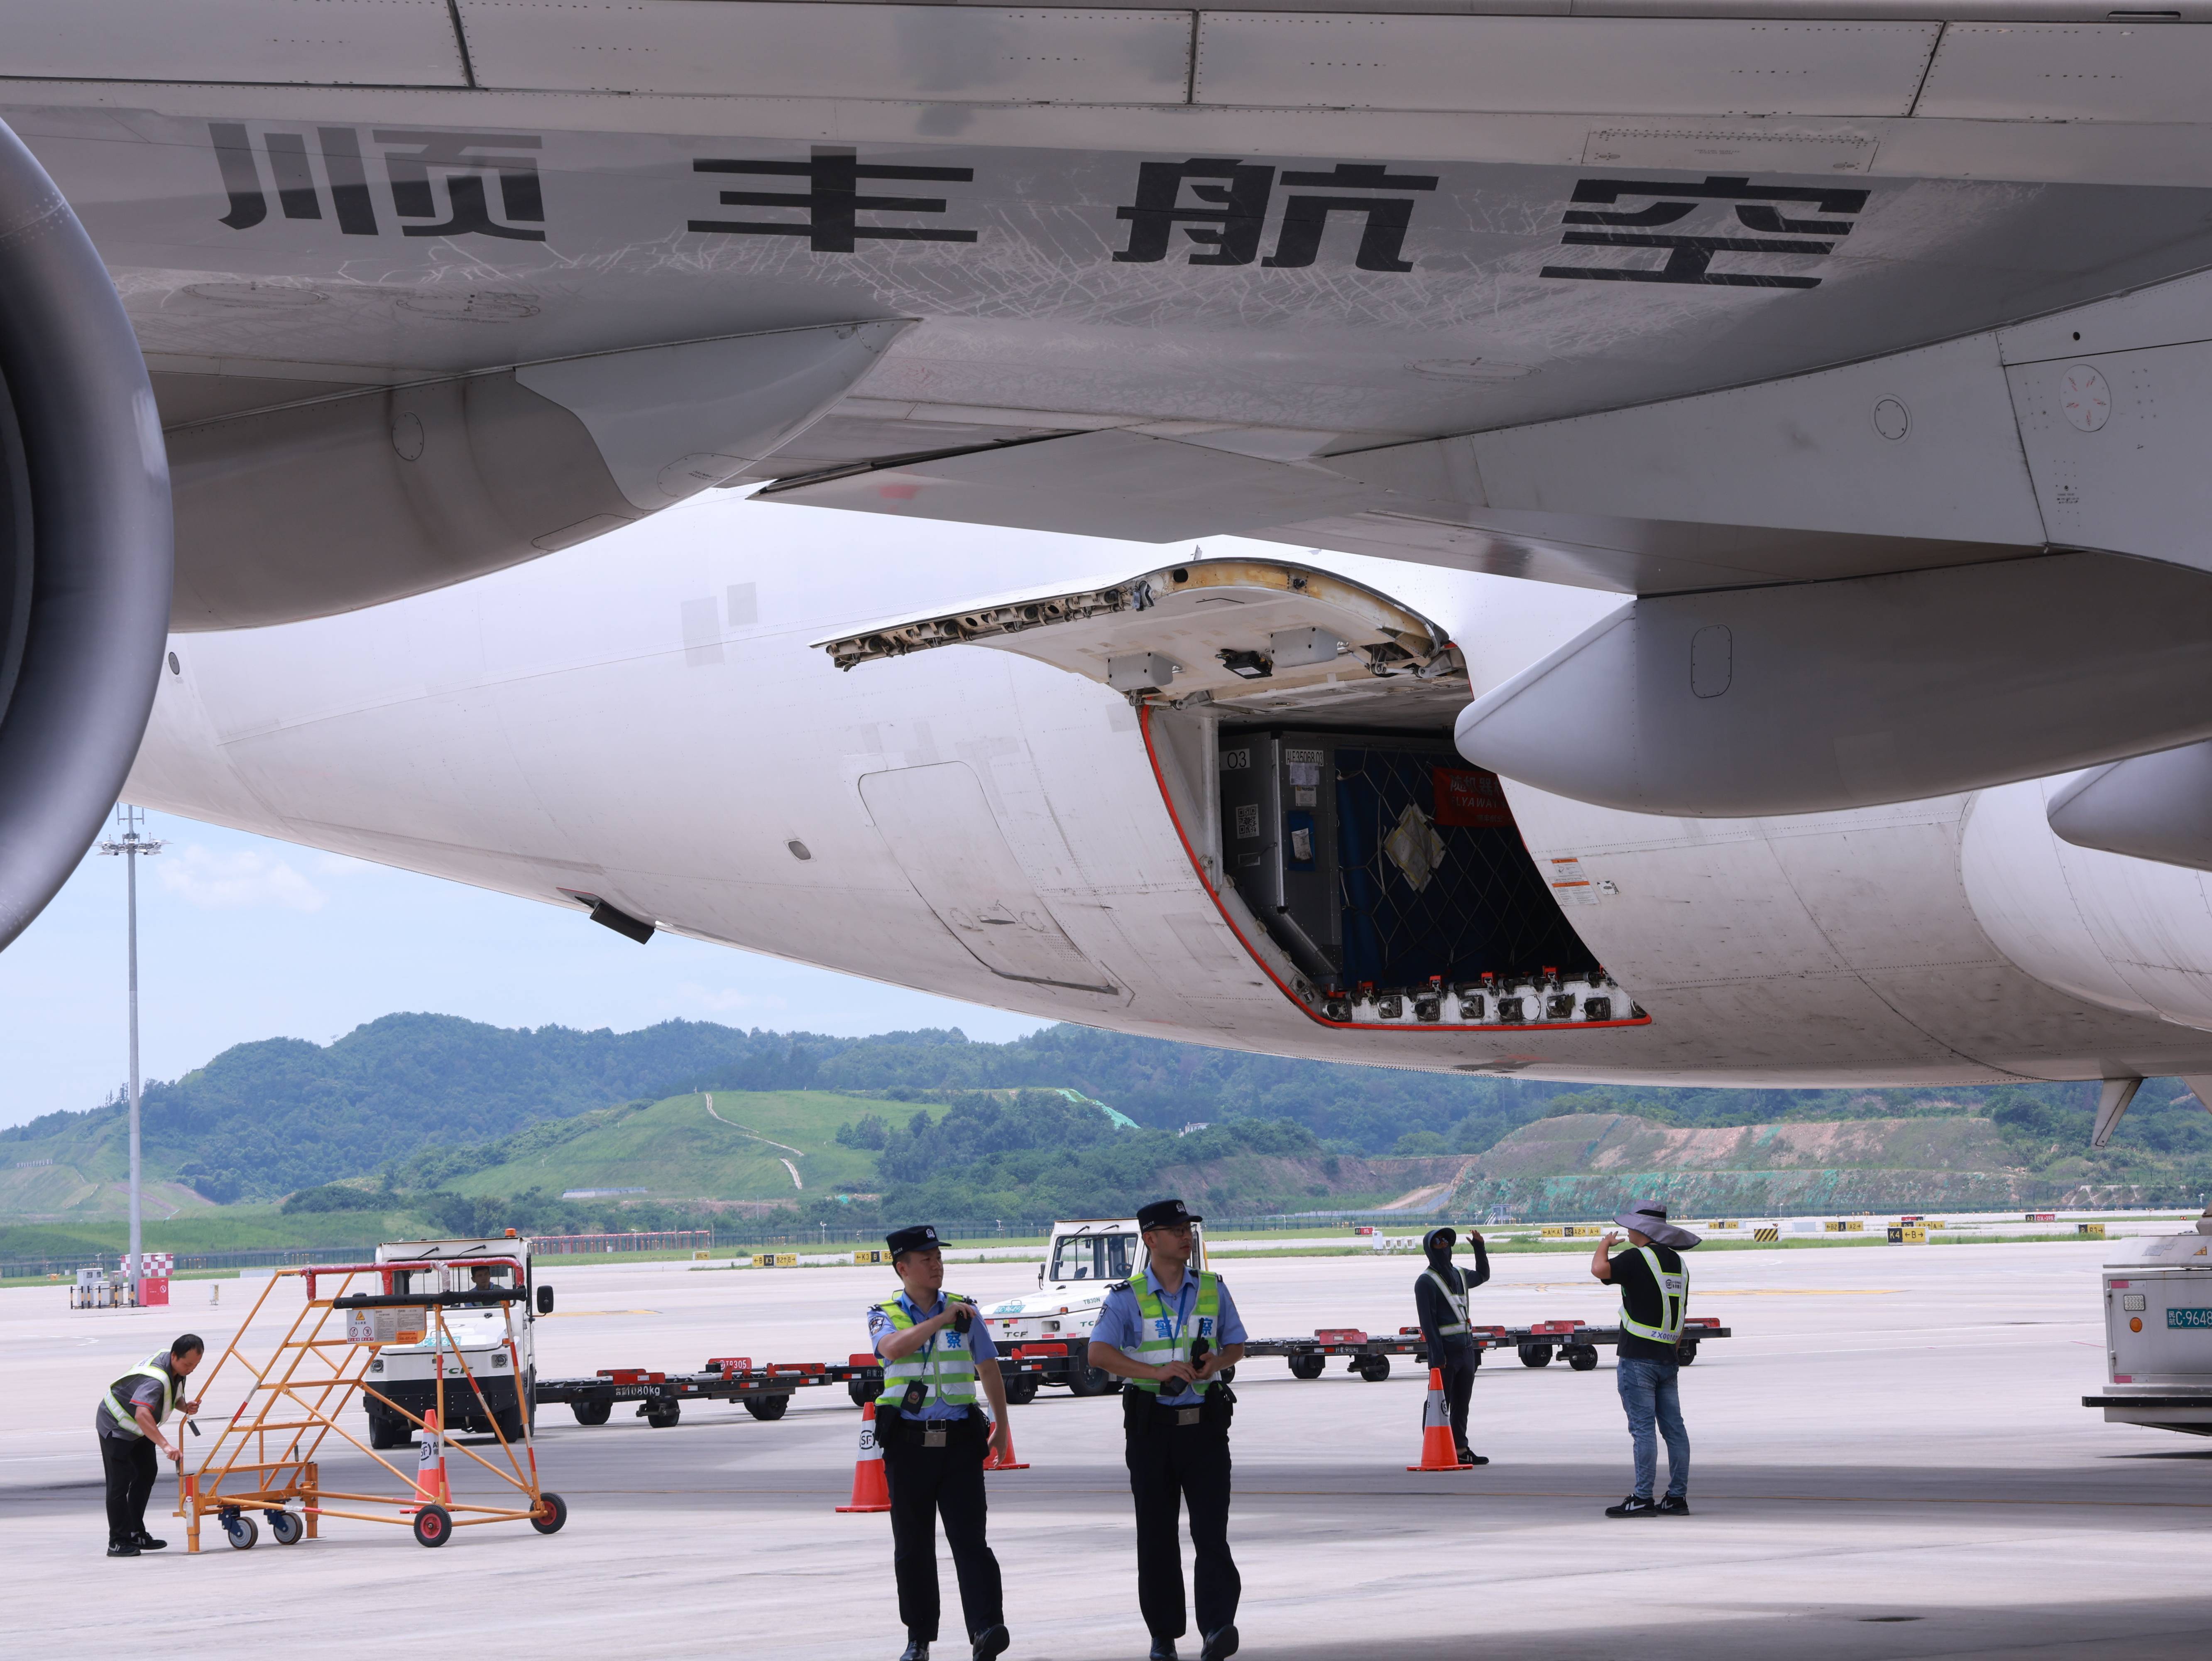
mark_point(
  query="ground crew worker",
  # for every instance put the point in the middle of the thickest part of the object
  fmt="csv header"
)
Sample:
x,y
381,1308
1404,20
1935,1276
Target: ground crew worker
x,y
1655,1293
1172,1334
935,1350
1440,1302
129,1419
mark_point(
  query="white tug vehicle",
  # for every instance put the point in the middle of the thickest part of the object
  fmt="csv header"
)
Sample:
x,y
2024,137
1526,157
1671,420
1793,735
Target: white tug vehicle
x,y
495,1339
1084,1260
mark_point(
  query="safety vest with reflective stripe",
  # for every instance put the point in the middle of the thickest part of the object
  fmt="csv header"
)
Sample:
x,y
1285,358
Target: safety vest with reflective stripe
x,y
120,1409
949,1371
1674,1299
1456,1302
1165,1340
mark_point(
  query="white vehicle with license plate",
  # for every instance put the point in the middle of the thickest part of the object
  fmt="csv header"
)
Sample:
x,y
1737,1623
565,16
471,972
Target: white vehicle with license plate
x,y
1083,1261
486,1352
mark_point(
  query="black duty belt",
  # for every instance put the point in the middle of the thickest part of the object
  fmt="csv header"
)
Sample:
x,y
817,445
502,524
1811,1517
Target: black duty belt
x,y
1210,1409
931,1433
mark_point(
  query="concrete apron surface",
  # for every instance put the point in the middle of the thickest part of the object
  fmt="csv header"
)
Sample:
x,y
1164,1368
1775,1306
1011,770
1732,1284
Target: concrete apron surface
x,y
1890,1461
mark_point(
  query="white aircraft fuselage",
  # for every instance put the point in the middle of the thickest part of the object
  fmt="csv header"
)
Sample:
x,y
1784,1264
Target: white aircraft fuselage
x,y
650,722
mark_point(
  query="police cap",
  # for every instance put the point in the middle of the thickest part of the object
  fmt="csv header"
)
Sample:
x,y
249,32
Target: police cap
x,y
919,1238
1165,1214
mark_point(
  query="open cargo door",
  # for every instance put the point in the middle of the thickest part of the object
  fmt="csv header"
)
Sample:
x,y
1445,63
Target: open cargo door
x,y
1300,727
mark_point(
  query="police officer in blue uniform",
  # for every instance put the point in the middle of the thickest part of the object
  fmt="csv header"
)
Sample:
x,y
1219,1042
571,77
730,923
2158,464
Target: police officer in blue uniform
x,y
936,1352
1172,1333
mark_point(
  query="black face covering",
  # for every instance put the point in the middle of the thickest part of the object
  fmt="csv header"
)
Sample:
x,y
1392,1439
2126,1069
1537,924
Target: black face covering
x,y
1438,1243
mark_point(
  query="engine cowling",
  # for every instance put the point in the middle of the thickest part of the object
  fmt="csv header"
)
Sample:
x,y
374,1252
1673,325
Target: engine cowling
x,y
2128,934
85,548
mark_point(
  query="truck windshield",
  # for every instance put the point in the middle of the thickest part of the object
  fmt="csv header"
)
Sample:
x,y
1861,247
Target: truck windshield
x,y
1094,1258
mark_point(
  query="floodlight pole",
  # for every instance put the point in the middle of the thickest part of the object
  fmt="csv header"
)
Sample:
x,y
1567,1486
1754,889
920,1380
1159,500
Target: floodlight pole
x,y
130,845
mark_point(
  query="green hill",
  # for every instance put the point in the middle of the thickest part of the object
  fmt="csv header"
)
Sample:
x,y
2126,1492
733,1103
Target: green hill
x,y
1589,1164
434,1101
82,1170
677,1149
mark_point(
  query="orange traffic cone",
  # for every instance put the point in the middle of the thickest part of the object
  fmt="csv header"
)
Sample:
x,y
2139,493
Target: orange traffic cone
x,y
869,1491
431,1488
992,1461
1437,1452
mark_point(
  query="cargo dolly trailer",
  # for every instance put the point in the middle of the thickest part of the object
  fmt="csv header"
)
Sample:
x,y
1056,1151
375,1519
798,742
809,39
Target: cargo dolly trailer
x,y
764,1391
1575,1342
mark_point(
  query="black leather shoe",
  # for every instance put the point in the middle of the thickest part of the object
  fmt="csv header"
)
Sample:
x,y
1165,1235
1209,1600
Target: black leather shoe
x,y
121,1548
1633,1507
1465,1457
918,1650
1673,1505
148,1542
1220,1645
991,1641
1164,1649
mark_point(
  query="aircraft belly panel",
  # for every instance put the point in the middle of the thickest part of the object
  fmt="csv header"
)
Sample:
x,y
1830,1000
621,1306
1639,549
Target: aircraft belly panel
x,y
1652,65
310,42
939,827
2144,71
815,50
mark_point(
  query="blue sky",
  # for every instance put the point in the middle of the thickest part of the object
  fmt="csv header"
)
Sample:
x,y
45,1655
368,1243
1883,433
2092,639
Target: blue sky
x,y
240,937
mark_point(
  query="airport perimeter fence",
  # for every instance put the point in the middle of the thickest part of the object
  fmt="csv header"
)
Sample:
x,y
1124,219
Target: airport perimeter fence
x,y
64,1266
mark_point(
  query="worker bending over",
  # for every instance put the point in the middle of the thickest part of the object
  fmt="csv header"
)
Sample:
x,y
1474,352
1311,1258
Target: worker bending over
x,y
1654,1294
935,1351
129,1419
1172,1333
1440,1302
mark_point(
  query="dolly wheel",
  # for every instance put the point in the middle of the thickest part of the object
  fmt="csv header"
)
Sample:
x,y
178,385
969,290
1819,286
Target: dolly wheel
x,y
552,1512
242,1532
285,1529
434,1526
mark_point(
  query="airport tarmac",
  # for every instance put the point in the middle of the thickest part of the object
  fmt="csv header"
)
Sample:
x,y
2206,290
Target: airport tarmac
x,y
1891,1461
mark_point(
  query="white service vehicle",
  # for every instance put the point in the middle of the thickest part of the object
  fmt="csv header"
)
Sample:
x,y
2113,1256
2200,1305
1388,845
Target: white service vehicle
x,y
2157,1333
495,1341
1084,1260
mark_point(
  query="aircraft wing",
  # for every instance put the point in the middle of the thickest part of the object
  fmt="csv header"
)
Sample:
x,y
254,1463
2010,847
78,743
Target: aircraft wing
x,y
1811,299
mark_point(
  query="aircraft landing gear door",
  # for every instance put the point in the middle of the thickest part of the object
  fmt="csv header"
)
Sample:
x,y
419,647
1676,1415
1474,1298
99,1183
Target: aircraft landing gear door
x,y
938,826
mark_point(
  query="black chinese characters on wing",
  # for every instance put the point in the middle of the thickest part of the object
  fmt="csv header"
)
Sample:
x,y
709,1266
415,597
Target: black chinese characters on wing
x,y
1775,212
832,202
1227,219
435,183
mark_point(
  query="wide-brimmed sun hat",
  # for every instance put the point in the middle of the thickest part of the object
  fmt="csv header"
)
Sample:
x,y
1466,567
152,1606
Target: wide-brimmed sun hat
x,y
1650,1220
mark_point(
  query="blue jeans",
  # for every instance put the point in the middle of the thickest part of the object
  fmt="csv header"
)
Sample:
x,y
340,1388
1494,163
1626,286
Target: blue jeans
x,y
1648,1392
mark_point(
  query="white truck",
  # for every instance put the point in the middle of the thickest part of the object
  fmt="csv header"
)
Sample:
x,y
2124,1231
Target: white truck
x,y
496,1339
2157,1333
1083,1261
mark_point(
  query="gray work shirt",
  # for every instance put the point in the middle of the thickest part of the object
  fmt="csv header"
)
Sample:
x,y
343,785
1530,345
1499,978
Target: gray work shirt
x,y
147,1395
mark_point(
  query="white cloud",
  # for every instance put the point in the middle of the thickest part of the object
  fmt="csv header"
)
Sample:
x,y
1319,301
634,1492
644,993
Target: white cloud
x,y
227,881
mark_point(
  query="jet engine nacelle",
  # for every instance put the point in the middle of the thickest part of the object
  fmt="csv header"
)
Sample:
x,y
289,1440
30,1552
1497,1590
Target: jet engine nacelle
x,y
2129,934
84,541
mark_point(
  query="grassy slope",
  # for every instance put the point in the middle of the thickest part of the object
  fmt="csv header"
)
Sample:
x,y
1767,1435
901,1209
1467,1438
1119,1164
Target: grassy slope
x,y
1579,1165
225,1228
676,1151
83,1171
